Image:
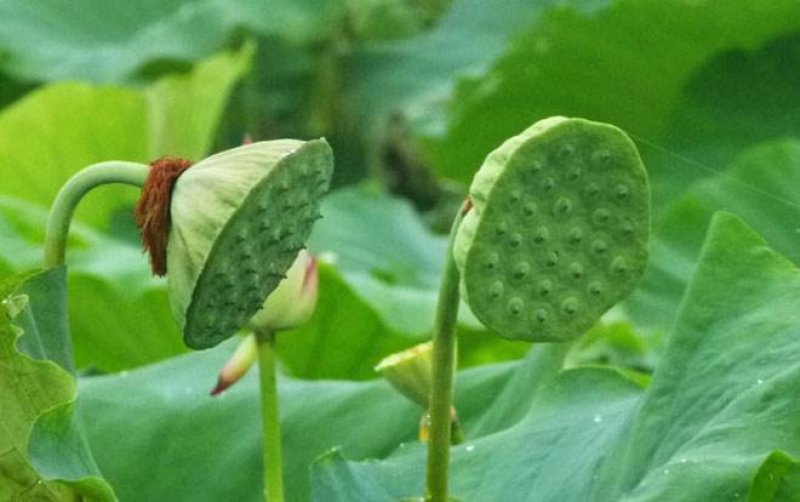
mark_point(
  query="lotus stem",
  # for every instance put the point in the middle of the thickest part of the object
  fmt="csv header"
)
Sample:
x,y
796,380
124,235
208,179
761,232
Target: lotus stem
x,y
270,417
60,218
444,349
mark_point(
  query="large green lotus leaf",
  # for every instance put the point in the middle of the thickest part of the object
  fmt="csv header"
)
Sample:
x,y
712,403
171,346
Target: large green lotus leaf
x,y
723,398
548,456
119,313
386,254
605,65
59,129
43,453
420,73
736,100
199,437
184,110
760,186
112,41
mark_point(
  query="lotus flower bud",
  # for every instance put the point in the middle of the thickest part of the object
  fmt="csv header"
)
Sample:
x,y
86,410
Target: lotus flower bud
x,y
237,222
293,301
238,365
410,372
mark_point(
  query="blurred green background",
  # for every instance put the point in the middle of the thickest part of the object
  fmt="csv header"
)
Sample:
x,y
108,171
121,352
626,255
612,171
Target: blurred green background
x,y
412,95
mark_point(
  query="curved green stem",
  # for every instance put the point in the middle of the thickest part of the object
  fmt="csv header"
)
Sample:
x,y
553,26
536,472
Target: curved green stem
x,y
270,418
55,240
444,348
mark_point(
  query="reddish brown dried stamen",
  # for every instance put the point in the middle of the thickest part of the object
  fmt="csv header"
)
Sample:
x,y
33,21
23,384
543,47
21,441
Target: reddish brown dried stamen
x,y
152,210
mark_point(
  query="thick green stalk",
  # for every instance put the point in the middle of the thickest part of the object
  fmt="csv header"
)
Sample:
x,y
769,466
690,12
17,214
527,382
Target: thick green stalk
x,y
444,349
55,241
270,418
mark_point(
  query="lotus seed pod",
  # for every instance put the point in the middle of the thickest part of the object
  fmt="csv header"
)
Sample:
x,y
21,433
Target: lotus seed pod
x,y
410,372
238,220
558,230
293,301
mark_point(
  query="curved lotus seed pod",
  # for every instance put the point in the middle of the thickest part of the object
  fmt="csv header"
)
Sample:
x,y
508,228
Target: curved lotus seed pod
x,y
238,220
558,230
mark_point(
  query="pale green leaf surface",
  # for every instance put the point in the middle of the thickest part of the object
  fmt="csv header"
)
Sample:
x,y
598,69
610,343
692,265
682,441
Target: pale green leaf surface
x,y
42,450
723,397
184,110
57,130
624,62
118,312
199,437
419,74
760,186
114,40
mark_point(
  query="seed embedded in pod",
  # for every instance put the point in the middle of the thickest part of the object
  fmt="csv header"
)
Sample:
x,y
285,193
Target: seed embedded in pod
x,y
501,228
541,235
622,191
515,240
595,288
529,208
551,260
591,189
515,306
496,289
548,184
626,227
570,306
521,270
541,315
599,246
566,151
562,207
619,265
545,287
601,158
576,270
575,236
492,260
601,216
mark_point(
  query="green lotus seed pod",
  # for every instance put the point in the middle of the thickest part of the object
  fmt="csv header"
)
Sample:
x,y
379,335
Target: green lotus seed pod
x,y
238,220
558,230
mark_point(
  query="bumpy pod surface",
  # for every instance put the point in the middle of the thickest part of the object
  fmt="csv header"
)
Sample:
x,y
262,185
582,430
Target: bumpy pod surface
x,y
238,220
558,230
